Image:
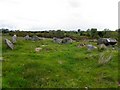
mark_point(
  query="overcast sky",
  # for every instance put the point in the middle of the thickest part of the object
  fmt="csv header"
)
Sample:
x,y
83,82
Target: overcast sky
x,y
59,14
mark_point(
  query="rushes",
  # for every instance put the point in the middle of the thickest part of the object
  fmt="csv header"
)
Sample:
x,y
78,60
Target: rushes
x,y
105,57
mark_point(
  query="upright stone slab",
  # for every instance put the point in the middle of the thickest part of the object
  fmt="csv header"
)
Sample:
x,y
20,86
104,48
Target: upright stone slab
x,y
9,44
14,39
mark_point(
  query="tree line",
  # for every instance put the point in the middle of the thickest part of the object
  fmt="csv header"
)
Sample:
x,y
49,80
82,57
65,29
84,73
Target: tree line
x,y
92,33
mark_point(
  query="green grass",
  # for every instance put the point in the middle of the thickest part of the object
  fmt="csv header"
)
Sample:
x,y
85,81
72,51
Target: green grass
x,y
56,66
0,62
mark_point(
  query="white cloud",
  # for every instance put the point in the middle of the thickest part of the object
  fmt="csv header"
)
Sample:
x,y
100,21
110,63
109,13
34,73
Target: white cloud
x,y
58,14
74,3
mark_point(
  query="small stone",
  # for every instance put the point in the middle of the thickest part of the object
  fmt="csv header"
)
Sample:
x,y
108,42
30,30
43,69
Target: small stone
x,y
86,88
81,45
113,48
91,47
43,45
38,49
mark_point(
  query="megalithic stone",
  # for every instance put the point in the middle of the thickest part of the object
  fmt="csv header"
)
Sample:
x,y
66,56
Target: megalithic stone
x,y
35,38
27,37
57,40
14,39
67,40
9,44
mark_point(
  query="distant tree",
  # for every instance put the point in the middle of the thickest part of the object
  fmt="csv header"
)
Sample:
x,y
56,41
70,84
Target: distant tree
x,y
100,34
59,34
118,36
4,30
93,33
88,32
79,30
107,33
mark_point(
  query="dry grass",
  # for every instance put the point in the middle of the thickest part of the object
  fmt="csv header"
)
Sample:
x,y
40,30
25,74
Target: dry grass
x,y
105,57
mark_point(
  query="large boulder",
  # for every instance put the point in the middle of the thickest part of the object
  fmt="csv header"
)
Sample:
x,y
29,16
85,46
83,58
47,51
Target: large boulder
x,y
27,37
62,41
35,38
9,44
67,40
14,39
107,41
57,40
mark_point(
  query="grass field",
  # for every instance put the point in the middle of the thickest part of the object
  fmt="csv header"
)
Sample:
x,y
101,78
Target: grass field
x,y
56,66
0,62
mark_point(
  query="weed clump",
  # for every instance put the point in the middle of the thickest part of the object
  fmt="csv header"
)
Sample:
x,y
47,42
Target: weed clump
x,y
105,57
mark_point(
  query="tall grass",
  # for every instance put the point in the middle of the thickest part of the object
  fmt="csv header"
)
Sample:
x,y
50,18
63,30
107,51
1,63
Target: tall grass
x,y
105,57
